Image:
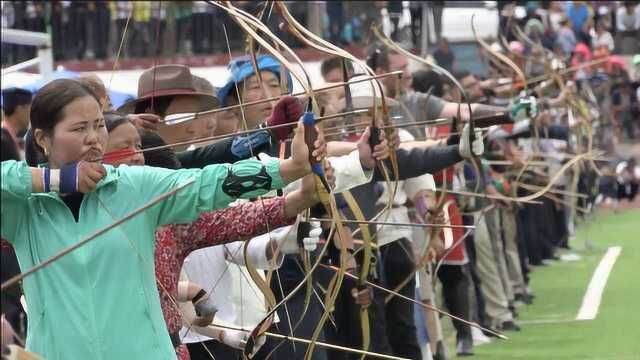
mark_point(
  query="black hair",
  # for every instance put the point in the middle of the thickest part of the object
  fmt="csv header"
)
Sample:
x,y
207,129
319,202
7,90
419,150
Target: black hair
x,y
378,57
14,97
47,110
33,153
160,105
332,63
114,119
162,158
9,148
423,80
48,104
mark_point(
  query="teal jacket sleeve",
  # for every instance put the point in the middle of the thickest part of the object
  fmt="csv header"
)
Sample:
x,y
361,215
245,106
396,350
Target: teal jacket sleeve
x,y
16,188
215,186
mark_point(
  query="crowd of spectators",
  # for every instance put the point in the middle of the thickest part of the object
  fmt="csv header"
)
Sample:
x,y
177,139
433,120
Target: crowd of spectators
x,y
94,29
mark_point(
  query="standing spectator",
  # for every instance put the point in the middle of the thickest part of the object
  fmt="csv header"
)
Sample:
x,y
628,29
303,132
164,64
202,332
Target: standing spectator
x,y
555,16
436,9
202,31
19,15
34,21
141,37
183,18
394,9
101,29
627,26
16,106
120,12
78,29
8,20
158,24
416,21
566,37
59,21
625,107
443,55
601,37
335,13
579,14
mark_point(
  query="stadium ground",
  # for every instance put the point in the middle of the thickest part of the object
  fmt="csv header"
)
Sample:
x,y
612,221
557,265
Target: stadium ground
x,y
550,329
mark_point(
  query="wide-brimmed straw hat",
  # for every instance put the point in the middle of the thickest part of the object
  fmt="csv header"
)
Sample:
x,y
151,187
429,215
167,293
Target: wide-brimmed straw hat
x,y
168,80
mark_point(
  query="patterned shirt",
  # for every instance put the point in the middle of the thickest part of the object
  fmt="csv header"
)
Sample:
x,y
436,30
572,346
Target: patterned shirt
x,y
175,242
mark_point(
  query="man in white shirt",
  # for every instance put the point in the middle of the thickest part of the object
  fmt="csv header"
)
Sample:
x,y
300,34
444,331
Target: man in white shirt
x,y
220,269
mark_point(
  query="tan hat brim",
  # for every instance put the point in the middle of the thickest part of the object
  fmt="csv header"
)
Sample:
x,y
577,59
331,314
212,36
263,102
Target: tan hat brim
x,y
206,101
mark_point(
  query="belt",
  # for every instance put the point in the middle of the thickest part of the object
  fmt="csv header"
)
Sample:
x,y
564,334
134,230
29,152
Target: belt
x,y
175,339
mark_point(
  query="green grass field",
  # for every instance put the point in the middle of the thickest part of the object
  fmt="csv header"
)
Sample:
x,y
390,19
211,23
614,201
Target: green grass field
x,y
549,330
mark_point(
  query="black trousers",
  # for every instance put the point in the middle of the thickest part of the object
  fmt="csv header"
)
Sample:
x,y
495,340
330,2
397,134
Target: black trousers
x,y
101,27
202,32
522,246
398,263
455,289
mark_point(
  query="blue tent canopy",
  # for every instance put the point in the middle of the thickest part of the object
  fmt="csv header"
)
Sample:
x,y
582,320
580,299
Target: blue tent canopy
x,y
117,98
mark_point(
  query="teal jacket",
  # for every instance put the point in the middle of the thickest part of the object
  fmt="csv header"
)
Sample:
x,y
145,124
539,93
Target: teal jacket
x,y
101,301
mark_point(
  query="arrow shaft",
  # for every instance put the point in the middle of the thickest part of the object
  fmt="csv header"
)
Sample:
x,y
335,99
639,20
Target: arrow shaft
x,y
397,224
426,306
95,235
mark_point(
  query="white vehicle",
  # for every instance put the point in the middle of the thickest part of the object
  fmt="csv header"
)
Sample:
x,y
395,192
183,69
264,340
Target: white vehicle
x,y
456,27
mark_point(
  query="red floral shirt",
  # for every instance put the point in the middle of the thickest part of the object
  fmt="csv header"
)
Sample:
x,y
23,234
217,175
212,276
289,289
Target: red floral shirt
x,y
175,242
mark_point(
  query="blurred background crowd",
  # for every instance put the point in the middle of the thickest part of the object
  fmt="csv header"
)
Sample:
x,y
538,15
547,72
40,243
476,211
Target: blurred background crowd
x,y
93,29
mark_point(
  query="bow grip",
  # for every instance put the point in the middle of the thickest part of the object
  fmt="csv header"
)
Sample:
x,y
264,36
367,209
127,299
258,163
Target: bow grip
x,y
499,118
374,138
310,137
304,228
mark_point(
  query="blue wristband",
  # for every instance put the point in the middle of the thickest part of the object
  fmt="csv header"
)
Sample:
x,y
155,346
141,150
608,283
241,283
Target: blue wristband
x,y
242,145
46,179
69,178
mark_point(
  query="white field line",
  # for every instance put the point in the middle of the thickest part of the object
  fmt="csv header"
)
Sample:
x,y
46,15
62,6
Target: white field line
x,y
593,296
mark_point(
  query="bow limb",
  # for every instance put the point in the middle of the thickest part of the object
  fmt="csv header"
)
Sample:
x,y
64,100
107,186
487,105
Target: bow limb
x,y
320,44
498,55
317,43
440,70
310,132
262,285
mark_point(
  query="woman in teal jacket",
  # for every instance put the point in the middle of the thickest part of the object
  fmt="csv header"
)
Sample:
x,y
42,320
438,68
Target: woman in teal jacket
x,y
101,301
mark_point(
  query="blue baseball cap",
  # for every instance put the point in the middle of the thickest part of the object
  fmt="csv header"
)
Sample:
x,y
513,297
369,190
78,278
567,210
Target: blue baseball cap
x,y
242,68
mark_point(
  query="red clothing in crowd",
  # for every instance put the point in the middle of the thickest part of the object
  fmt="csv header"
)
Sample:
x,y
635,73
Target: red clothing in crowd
x,y
457,255
175,242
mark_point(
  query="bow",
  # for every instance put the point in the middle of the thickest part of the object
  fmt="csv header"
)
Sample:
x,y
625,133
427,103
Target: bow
x,y
318,43
248,23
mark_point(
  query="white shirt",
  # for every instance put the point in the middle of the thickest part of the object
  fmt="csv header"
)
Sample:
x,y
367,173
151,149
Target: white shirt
x,y
220,269
217,269
604,39
405,190
626,21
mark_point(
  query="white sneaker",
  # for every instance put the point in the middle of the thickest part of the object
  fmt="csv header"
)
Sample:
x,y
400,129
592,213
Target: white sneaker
x,y
478,337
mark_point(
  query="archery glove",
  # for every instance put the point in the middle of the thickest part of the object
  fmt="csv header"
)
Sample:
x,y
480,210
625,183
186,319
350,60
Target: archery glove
x,y
468,149
205,306
524,108
287,110
289,244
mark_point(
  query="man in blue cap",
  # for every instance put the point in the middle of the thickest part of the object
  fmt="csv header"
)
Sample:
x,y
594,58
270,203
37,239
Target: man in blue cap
x,y
243,80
